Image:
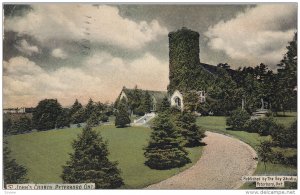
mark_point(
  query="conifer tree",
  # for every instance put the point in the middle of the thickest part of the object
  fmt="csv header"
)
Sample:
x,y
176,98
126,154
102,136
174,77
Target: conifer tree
x,y
122,116
164,106
89,109
75,107
89,162
13,172
192,134
147,102
165,150
93,120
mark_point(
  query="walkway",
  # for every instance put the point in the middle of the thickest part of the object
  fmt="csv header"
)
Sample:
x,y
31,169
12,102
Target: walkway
x,y
223,162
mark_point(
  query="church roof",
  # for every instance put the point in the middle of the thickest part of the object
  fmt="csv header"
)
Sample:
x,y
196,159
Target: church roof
x,y
158,95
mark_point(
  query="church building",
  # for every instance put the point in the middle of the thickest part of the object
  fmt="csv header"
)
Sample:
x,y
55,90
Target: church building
x,y
186,72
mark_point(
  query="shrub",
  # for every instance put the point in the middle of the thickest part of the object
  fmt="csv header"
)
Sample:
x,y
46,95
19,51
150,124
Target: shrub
x,y
103,118
237,119
21,125
262,126
285,137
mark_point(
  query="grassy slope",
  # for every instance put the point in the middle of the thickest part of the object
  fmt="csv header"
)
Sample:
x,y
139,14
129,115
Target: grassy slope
x,y
43,153
218,124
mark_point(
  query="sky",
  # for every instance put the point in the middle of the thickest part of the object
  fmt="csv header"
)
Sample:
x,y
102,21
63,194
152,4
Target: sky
x,y
69,51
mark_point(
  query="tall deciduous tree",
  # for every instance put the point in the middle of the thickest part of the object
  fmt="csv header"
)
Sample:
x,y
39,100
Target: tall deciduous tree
x,y
89,162
165,150
13,172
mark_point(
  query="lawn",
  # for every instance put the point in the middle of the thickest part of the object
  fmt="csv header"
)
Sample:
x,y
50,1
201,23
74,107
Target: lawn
x,y
218,124
44,153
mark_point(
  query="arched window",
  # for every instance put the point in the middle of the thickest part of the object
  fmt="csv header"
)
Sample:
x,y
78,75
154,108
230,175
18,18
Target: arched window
x,y
177,101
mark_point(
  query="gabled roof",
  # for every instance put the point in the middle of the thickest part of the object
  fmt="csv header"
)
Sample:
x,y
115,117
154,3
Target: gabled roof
x,y
158,95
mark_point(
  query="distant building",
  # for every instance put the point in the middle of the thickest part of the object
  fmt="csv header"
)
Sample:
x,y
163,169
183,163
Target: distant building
x,y
17,110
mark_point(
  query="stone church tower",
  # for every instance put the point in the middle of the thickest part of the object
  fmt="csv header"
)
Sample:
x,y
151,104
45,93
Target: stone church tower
x,y
183,58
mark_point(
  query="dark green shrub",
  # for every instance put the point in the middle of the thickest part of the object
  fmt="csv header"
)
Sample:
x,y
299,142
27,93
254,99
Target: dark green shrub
x,y
263,126
237,119
103,118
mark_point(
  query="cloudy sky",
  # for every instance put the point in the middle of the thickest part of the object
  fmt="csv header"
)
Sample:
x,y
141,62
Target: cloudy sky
x,y
69,51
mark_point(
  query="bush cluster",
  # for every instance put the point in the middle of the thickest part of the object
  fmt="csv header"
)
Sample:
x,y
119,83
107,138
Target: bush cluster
x,y
238,119
263,126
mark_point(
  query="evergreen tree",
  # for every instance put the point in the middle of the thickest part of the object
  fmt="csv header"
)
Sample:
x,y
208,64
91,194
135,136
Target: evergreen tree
x,y
89,109
75,107
90,164
94,120
147,102
186,122
164,106
165,150
191,101
78,116
122,116
63,120
13,172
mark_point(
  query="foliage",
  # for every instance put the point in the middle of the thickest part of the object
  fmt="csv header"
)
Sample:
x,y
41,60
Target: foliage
x,y
191,101
186,122
125,146
45,114
89,109
103,118
7,123
225,93
146,103
89,162
265,152
165,150
185,70
263,126
164,106
78,116
93,120
63,120
75,107
287,75
285,137
122,116
237,119
13,172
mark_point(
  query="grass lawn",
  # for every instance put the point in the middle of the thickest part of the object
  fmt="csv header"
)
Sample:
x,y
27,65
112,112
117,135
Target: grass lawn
x,y
218,124
44,153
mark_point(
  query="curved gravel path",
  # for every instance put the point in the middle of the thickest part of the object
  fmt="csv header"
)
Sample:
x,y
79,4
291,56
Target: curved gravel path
x,y
223,162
